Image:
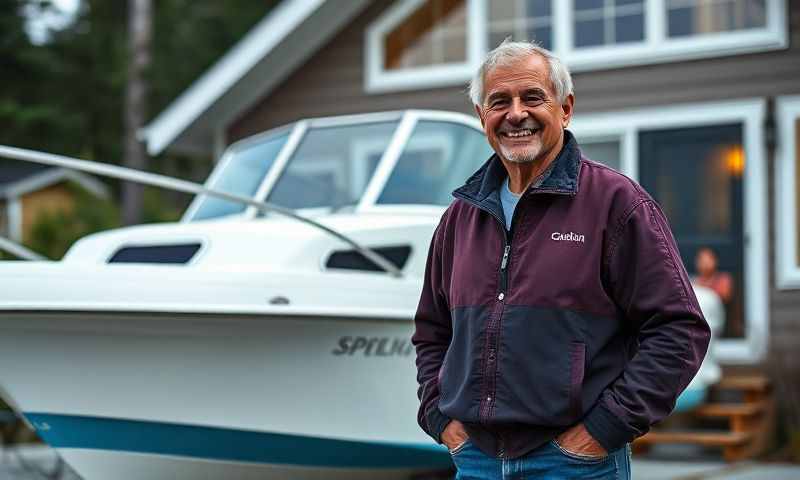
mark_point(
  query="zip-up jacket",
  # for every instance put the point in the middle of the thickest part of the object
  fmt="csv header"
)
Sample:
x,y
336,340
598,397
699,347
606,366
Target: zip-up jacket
x,y
582,312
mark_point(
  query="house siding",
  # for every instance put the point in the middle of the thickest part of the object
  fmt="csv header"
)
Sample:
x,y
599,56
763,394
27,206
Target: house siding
x,y
47,200
332,83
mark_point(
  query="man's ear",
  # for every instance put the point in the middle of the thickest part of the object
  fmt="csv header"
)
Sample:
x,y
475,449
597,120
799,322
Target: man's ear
x,y
567,108
480,115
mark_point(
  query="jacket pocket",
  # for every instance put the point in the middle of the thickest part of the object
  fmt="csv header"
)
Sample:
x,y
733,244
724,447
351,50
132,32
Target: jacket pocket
x,y
577,361
541,367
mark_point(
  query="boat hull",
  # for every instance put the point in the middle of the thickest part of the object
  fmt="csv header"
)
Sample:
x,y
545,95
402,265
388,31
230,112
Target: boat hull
x,y
245,396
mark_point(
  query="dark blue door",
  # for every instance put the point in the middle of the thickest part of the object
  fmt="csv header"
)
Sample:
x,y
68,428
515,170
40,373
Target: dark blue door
x,y
695,174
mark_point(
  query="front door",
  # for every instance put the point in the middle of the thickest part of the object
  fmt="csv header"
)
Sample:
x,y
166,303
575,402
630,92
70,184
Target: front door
x,y
695,174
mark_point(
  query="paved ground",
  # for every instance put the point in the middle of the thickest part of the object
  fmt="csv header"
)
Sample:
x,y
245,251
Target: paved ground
x,y
39,463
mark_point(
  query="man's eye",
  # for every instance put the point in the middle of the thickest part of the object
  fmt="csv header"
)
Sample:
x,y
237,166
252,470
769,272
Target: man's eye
x,y
497,103
533,99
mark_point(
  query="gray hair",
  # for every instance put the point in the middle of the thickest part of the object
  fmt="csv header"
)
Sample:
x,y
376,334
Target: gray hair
x,y
510,52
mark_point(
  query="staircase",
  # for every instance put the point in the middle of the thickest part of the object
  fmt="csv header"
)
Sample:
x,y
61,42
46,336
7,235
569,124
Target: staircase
x,y
744,405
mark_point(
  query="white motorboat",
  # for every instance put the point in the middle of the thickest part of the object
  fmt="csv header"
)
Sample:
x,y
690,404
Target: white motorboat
x,y
236,344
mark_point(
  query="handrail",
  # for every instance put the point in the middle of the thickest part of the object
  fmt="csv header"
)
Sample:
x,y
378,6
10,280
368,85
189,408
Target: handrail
x,y
163,181
20,251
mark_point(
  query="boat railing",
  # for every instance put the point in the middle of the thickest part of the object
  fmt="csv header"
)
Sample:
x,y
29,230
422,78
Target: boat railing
x,y
170,183
20,251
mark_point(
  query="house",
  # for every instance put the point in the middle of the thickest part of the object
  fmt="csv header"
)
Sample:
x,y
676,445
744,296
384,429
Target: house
x,y
697,100
29,190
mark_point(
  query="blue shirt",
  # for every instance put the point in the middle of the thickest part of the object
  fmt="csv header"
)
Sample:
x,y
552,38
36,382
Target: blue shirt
x,y
509,201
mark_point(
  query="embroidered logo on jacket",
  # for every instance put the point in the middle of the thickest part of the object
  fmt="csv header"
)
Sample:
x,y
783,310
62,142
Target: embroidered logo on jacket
x,y
567,237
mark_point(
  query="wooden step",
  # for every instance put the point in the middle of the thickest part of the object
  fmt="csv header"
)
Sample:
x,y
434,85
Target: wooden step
x,y
705,438
747,383
726,410
735,445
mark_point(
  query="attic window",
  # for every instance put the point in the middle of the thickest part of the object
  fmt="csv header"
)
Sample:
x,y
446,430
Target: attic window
x,y
435,33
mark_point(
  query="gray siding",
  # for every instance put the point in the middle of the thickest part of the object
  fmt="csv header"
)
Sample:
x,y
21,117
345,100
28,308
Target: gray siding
x,y
332,83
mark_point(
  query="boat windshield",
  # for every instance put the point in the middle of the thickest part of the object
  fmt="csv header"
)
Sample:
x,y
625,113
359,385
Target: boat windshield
x,y
240,173
332,165
438,158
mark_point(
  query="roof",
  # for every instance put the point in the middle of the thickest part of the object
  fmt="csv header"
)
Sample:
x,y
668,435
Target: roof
x,y
19,178
12,171
267,55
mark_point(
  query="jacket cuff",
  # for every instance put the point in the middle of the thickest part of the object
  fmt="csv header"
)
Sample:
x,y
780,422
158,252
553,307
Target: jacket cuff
x,y
437,421
607,428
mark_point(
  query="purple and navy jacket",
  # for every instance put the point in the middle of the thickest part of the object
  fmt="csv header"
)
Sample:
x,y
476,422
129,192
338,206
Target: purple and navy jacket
x,y
583,312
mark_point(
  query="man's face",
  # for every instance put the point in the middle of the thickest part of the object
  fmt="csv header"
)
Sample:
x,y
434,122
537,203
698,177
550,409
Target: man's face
x,y
523,119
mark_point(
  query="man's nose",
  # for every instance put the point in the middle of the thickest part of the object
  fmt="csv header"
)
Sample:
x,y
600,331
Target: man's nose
x,y
516,111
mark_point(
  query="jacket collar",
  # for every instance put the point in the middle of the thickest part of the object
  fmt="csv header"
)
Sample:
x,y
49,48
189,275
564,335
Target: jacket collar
x,y
560,178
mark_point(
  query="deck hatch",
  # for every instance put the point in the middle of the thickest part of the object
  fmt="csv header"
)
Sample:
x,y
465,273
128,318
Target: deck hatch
x,y
173,254
352,260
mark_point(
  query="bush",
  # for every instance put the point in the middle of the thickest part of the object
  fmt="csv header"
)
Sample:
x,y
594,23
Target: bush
x,y
55,231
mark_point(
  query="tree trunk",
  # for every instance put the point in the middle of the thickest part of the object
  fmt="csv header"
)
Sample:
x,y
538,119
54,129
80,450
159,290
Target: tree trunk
x,y
139,38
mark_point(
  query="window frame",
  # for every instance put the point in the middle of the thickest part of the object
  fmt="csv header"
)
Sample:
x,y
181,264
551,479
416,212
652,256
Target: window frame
x,y
656,47
787,269
751,113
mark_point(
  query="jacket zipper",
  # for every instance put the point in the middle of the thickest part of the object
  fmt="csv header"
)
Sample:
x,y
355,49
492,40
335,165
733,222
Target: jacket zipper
x,y
486,406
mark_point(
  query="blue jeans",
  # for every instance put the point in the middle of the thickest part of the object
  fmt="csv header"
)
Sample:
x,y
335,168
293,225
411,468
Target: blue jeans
x,y
548,462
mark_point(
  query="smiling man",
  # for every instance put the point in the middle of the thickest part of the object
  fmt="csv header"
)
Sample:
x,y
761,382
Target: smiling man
x,y
556,321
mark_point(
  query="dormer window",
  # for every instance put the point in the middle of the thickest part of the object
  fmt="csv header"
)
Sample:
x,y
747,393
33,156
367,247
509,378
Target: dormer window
x,y
435,33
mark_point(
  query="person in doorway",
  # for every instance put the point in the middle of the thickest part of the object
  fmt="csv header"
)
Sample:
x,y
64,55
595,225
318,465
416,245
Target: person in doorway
x,y
556,321
705,263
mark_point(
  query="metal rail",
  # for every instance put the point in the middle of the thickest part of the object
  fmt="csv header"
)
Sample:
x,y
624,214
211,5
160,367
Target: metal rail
x,y
170,183
20,251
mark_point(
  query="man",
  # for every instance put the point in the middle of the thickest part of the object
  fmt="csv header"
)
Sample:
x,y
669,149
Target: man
x,y
556,321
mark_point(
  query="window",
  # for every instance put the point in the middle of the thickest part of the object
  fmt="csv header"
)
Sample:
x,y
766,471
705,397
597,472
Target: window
x,y
704,163
326,171
431,43
606,152
437,159
697,17
241,173
435,33
606,22
787,202
522,20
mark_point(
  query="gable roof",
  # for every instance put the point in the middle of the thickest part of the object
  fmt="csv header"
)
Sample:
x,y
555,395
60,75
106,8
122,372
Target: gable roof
x,y
268,53
12,171
20,178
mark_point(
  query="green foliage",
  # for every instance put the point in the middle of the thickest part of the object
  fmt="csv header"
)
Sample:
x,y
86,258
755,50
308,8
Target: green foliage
x,y
54,232
67,95
157,209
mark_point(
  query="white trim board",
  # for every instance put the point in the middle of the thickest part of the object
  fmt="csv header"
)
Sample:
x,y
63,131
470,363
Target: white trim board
x,y
787,270
14,214
627,124
52,176
266,56
656,47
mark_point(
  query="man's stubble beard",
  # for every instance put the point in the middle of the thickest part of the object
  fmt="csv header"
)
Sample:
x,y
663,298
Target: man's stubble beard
x,y
528,155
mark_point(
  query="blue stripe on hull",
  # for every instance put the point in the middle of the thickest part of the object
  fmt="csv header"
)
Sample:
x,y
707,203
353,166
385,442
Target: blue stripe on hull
x,y
68,431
